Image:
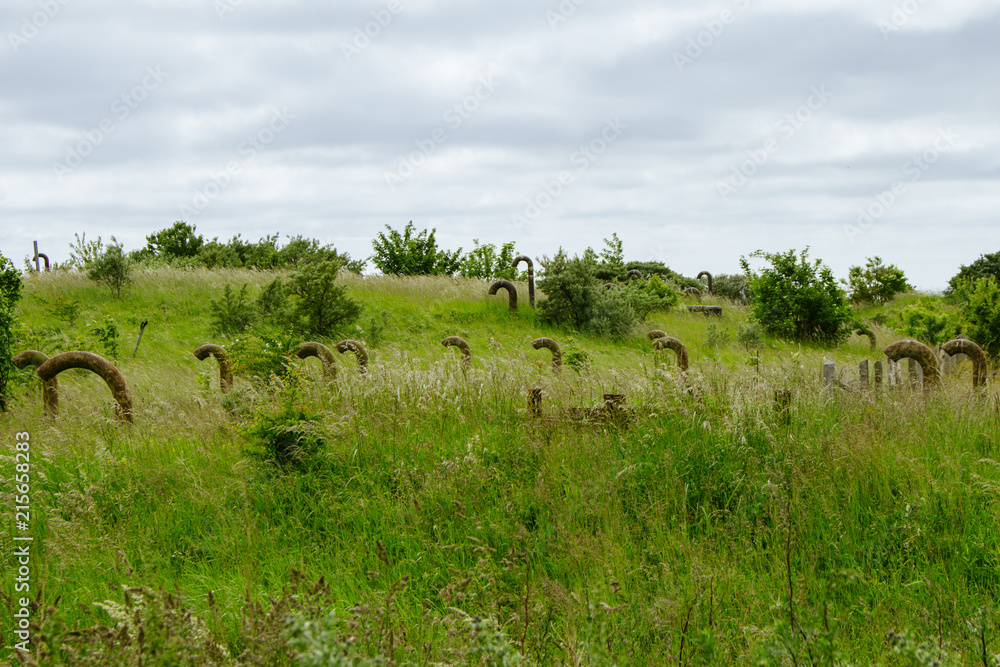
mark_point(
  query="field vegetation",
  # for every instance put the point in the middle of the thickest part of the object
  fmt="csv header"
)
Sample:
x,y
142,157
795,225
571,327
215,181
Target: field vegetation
x,y
421,514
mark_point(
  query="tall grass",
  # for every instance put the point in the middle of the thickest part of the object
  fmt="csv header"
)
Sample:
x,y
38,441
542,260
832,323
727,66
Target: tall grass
x,y
450,525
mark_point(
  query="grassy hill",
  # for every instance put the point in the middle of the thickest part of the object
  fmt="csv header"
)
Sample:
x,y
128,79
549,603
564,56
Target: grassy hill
x,y
435,520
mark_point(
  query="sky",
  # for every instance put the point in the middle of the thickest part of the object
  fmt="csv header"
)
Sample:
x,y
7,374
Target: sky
x,y
698,132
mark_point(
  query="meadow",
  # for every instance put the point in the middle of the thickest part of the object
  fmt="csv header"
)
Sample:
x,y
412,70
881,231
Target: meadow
x,y
433,519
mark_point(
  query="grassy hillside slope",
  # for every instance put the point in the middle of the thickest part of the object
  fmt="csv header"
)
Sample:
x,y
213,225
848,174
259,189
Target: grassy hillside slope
x,y
448,525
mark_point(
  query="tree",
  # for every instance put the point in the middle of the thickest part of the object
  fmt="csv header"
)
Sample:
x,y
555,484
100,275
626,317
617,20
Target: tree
x,y
986,265
83,253
876,282
485,262
613,257
176,241
407,254
112,268
321,306
797,299
10,294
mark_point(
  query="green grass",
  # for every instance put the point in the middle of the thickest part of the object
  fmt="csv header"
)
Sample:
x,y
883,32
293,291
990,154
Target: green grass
x,y
701,527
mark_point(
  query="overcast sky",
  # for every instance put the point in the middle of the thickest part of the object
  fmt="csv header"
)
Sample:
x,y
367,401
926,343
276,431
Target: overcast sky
x,y
699,132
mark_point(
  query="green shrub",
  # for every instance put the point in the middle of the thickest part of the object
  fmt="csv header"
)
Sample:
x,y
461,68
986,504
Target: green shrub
x,y
408,254
177,241
272,302
981,313
10,294
83,253
320,305
876,282
112,267
716,337
735,287
289,436
796,299
259,354
984,267
108,337
233,312
484,261
575,298
928,322
652,295
66,310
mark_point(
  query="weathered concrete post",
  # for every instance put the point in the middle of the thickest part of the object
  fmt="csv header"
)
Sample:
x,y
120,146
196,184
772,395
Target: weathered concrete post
x,y
863,372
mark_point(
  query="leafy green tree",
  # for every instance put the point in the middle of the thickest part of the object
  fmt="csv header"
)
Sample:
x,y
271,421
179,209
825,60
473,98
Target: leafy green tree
x,y
484,261
112,267
876,282
980,312
10,294
320,305
410,254
83,253
796,299
613,256
986,265
575,297
176,241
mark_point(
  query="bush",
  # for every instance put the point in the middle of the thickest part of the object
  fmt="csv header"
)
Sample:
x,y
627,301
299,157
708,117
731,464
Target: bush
x,y
984,267
407,254
320,305
108,336
574,297
112,268
233,312
876,282
259,354
735,287
981,313
798,300
272,302
177,241
485,262
83,253
290,436
928,322
648,296
10,294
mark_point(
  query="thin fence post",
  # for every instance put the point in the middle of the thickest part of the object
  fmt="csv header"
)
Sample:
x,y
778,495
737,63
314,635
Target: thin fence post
x,y
535,402
829,372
